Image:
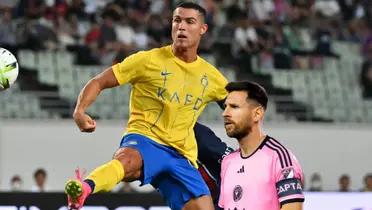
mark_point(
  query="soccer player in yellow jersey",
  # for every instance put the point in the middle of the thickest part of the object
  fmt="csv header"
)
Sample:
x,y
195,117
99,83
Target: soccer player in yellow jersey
x,y
170,88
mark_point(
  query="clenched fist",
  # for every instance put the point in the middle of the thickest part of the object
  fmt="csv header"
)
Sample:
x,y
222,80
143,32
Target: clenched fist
x,y
84,122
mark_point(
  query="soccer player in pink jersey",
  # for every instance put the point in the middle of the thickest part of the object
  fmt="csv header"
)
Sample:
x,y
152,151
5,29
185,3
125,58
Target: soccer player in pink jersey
x,y
262,174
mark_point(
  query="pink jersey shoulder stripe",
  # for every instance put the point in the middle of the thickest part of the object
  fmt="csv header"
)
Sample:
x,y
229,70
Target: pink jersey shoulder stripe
x,y
284,157
279,153
284,148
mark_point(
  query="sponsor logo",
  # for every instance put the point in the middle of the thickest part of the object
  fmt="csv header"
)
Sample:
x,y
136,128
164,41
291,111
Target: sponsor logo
x,y
195,101
165,74
241,170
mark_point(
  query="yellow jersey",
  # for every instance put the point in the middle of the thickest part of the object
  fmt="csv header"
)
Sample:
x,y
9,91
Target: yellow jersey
x,y
168,95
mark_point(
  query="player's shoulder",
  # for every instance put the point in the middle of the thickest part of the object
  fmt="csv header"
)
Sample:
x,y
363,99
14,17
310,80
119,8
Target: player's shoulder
x,y
277,150
212,72
153,51
164,51
145,56
274,146
208,66
159,49
150,52
230,157
139,55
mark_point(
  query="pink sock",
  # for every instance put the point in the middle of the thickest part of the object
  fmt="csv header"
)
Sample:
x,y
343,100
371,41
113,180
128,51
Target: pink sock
x,y
86,188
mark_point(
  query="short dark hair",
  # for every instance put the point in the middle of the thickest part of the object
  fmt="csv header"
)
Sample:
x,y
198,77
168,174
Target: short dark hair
x,y
40,171
366,177
344,176
254,91
192,5
16,178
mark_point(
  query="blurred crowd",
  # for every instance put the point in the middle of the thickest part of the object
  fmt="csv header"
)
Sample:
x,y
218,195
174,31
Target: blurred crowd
x,y
344,183
282,34
314,184
40,184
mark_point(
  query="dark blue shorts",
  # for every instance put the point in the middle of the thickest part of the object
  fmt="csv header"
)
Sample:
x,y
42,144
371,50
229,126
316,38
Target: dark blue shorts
x,y
168,171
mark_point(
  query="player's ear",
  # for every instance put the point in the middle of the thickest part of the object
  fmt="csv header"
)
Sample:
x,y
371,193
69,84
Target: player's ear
x,y
258,113
203,29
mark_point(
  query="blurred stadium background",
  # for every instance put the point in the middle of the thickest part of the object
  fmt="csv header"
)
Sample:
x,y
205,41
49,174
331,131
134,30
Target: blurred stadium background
x,y
313,56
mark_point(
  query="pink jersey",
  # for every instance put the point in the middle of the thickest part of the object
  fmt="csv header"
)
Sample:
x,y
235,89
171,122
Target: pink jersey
x,y
267,179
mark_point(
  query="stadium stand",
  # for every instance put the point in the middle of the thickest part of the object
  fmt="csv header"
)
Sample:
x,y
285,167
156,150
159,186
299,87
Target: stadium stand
x,y
322,83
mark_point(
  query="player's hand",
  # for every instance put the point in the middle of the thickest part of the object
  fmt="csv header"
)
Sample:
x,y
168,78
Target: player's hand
x,y
84,122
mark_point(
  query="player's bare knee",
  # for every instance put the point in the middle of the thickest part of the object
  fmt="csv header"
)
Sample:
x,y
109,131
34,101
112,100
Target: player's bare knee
x,y
132,162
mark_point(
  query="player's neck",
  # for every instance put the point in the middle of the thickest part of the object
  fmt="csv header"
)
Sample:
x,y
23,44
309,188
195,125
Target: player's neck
x,y
187,55
251,142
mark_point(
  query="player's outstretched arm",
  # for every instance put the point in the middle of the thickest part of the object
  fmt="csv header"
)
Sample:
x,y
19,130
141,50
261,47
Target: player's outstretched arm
x,y
292,206
88,95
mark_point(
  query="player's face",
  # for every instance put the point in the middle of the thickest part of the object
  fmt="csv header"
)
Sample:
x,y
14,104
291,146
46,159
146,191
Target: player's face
x,y
238,115
369,182
187,27
40,179
344,182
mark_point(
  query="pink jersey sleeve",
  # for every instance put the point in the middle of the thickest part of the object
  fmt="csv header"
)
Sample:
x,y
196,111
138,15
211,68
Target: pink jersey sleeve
x,y
221,200
289,179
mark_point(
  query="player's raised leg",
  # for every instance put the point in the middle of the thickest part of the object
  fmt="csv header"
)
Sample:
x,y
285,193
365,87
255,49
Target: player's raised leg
x,y
126,165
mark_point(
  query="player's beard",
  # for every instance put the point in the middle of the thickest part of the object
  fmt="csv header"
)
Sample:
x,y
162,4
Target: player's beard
x,y
239,132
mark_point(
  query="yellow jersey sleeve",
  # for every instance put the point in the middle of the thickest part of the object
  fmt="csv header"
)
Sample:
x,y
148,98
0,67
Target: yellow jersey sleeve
x,y
131,68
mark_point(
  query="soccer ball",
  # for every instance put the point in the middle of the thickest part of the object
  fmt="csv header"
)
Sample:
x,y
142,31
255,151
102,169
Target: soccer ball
x,y
8,69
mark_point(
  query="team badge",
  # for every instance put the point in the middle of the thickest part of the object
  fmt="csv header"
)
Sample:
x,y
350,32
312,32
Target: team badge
x,y
237,193
288,173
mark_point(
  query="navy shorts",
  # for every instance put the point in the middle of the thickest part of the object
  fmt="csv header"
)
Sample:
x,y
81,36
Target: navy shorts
x,y
168,171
